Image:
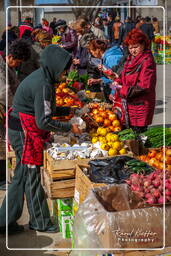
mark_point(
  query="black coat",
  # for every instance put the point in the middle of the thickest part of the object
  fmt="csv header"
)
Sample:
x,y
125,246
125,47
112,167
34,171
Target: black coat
x,y
148,29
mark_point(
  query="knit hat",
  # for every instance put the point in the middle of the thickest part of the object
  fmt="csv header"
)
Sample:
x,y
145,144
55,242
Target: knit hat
x,y
61,23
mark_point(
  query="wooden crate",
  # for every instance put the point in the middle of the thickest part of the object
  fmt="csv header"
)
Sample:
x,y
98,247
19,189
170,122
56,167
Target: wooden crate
x,y
61,169
83,184
57,188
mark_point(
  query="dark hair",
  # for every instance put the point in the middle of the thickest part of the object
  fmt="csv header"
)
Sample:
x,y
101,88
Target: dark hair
x,y
155,19
20,49
136,36
97,44
147,19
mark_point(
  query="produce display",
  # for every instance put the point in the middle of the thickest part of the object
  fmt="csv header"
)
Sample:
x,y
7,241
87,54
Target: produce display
x,y
108,141
150,187
104,117
77,151
155,158
155,138
66,97
137,166
127,134
74,80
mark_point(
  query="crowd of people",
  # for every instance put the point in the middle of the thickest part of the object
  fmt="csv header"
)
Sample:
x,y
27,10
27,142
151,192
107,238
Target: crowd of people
x,y
35,65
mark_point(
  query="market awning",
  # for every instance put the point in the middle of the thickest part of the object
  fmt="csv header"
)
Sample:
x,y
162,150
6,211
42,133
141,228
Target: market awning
x,y
49,2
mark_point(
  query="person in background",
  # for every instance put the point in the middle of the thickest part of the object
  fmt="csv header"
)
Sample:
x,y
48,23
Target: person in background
x,y
156,25
105,28
116,30
29,126
53,26
18,51
80,59
98,23
43,39
110,27
140,22
137,82
148,29
125,28
11,37
108,57
68,37
46,27
25,25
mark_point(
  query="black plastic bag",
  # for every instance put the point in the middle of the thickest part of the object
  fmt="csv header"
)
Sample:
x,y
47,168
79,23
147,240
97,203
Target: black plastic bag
x,y
109,170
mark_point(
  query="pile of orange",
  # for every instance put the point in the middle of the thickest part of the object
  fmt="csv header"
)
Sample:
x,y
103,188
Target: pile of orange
x,y
105,118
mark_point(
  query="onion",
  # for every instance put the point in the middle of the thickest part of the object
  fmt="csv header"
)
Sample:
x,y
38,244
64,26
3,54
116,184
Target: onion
x,y
148,195
168,185
156,183
147,183
151,200
168,198
161,200
128,182
167,192
156,193
160,188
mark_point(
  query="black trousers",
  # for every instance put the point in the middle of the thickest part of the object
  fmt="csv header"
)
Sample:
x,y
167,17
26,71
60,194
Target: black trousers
x,y
26,181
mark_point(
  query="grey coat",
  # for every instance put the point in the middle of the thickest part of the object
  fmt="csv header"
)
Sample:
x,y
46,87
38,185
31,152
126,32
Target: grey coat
x,y
12,86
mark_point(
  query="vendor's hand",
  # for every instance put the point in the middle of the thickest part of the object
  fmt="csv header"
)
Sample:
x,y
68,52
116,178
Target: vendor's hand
x,y
75,129
76,61
92,81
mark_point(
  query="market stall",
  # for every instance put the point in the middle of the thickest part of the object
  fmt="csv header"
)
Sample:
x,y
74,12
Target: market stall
x,y
107,179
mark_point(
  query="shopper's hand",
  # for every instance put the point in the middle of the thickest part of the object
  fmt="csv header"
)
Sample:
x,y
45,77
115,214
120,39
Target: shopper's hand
x,y
76,61
111,97
75,129
100,67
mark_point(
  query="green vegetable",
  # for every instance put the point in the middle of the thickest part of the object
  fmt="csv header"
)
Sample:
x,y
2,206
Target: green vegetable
x,y
156,136
130,162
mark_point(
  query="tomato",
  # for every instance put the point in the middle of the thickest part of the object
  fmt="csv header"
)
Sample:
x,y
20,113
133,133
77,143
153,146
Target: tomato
x,y
152,153
168,152
159,156
168,159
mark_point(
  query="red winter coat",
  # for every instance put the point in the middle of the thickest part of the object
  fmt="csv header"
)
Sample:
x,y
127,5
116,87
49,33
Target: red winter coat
x,y
138,80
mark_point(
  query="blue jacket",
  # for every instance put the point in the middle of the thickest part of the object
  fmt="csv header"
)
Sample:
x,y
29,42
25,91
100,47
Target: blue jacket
x,y
111,58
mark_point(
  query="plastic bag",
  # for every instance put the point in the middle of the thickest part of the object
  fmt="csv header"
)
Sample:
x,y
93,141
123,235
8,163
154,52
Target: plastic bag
x,y
109,170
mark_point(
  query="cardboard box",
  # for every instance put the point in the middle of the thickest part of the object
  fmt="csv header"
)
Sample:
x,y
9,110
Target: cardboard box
x,y
129,228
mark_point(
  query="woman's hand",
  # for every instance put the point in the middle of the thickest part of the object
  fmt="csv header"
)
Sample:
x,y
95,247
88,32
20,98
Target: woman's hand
x,y
92,81
76,61
100,67
75,129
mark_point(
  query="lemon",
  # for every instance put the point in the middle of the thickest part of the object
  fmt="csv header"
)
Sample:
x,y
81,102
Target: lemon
x,y
121,144
112,152
94,140
110,144
102,139
103,131
122,151
104,146
114,137
99,130
87,91
116,145
108,137
116,123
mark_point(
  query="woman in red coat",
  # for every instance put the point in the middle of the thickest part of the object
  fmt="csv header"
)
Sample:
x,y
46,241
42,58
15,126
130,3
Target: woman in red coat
x,y
138,80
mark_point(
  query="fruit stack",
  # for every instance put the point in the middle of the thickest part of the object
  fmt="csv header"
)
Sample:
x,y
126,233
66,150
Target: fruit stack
x,y
108,141
66,97
105,118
